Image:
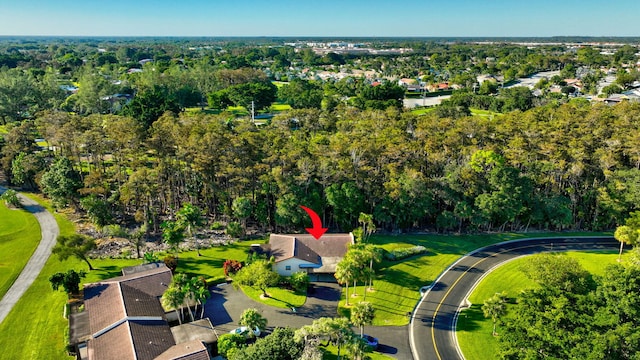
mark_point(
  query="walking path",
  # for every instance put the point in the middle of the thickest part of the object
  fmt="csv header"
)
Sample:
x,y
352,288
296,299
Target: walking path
x,y
49,232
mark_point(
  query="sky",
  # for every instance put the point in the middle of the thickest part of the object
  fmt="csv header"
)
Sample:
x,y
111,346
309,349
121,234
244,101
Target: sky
x,y
335,18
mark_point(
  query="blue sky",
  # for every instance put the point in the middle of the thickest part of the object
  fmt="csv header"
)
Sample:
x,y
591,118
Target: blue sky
x,y
320,18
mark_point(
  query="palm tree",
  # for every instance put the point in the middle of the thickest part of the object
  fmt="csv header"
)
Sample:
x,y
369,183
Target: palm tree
x,y
252,319
187,287
362,314
626,235
494,307
201,294
173,298
344,274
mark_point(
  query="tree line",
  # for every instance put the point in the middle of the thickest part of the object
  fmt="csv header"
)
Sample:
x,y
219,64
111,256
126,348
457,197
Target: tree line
x,y
570,166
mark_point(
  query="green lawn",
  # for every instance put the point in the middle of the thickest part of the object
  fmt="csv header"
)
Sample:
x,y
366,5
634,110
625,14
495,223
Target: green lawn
x,y
474,331
280,107
422,110
397,284
19,238
278,297
36,328
484,113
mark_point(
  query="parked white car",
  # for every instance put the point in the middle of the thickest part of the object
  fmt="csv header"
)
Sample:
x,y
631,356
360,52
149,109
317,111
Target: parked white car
x,y
244,331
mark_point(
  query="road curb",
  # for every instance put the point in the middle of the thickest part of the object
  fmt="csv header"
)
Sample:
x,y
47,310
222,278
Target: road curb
x,y
423,296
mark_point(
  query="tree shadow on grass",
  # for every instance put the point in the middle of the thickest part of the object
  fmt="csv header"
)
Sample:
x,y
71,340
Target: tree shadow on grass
x,y
108,271
193,266
403,279
470,319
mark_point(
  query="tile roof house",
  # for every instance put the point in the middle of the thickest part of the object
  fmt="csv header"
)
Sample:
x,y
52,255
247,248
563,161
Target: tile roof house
x,y
302,252
124,319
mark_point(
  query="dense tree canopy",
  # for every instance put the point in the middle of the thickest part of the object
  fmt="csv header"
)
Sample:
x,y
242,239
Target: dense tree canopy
x,y
575,318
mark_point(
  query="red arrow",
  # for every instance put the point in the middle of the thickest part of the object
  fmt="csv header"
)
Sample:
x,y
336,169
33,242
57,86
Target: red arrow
x,y
317,230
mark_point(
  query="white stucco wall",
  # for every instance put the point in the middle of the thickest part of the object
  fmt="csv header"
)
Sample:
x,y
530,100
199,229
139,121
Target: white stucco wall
x,y
281,267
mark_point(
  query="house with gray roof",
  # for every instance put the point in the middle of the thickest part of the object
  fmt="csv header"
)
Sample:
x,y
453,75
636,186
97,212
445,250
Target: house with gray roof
x,y
123,319
303,252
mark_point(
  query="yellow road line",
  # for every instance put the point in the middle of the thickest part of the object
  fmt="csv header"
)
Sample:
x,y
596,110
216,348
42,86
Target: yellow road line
x,y
435,313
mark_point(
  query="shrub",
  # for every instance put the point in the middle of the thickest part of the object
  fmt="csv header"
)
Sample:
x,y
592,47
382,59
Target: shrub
x,y
69,280
217,225
399,254
299,281
11,198
171,262
231,267
228,343
114,230
234,229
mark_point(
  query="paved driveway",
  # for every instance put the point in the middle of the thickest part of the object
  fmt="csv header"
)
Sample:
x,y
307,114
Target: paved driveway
x,y
227,304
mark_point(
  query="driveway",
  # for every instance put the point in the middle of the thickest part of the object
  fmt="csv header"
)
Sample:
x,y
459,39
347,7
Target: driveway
x,y
49,232
227,304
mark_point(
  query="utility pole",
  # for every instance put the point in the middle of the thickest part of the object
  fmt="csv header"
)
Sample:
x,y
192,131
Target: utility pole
x,y
253,112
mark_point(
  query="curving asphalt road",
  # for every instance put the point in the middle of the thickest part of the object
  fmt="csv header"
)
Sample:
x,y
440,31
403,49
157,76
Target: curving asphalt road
x,y
49,232
432,328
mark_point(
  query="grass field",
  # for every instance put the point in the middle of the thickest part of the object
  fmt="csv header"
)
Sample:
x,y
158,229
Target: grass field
x,y
484,113
19,238
474,331
422,110
281,298
36,328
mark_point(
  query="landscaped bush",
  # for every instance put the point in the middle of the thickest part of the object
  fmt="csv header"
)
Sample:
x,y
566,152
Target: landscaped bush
x,y
299,281
11,198
231,267
404,253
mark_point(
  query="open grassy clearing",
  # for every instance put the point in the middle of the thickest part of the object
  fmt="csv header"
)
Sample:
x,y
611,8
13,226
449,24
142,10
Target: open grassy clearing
x,y
484,113
19,238
397,284
474,331
422,110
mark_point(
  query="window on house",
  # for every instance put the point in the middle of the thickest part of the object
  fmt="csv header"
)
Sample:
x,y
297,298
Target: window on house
x,y
288,267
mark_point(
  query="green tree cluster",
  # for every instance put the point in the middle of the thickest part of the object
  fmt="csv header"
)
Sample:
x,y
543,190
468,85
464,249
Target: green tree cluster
x,y
573,316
